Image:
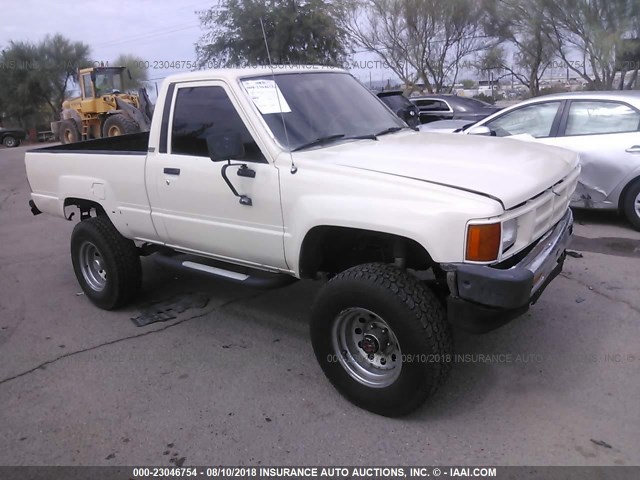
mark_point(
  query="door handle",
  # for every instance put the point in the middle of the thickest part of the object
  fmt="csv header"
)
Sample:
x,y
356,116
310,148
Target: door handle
x,y
172,171
634,149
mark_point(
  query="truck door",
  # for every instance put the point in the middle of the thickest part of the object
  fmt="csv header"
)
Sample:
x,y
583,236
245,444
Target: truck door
x,y
192,206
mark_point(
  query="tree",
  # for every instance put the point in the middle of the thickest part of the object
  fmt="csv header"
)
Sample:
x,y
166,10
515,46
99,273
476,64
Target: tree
x,y
629,61
60,59
419,39
20,78
380,27
521,24
298,32
135,67
629,58
34,76
597,29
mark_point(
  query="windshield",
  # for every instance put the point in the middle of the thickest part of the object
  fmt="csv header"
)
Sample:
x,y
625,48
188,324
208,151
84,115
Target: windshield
x,y
107,81
316,106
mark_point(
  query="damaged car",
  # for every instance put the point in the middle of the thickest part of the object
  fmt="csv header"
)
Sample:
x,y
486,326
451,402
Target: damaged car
x,y
603,127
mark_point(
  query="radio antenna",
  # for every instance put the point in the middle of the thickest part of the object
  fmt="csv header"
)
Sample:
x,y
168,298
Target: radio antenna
x,y
294,169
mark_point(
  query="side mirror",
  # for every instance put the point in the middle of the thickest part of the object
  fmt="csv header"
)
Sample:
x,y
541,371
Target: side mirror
x,y
480,130
225,146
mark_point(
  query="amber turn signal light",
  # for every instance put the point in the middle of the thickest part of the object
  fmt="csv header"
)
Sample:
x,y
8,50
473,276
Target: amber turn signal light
x,y
483,242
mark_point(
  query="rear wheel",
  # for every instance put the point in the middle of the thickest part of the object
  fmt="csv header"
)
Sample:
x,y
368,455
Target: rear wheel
x,y
10,141
119,124
106,264
69,132
381,338
631,205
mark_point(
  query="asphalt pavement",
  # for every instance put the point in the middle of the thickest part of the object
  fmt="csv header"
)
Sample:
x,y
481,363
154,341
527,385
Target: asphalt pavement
x,y
231,378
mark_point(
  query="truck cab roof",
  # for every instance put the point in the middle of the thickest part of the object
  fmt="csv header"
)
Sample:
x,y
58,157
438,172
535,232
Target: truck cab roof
x,y
231,74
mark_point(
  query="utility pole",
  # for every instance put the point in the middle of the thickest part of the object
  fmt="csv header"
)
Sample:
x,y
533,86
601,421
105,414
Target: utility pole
x,y
493,93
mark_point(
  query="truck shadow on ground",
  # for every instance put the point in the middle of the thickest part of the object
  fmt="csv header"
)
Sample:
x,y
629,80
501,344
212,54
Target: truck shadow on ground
x,y
517,359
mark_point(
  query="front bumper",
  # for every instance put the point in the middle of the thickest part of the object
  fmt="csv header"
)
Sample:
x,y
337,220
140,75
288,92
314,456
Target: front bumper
x,y
483,298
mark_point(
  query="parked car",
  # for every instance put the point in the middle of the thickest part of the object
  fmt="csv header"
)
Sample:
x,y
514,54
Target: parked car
x,y
11,137
603,127
262,178
401,106
451,107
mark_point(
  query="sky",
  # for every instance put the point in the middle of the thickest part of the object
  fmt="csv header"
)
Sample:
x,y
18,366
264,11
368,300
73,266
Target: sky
x,y
159,31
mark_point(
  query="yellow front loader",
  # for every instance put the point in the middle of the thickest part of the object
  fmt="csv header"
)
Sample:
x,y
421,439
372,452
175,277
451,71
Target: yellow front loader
x,y
103,108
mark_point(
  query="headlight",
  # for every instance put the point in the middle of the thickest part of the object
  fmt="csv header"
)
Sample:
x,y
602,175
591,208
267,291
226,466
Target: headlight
x,y
509,233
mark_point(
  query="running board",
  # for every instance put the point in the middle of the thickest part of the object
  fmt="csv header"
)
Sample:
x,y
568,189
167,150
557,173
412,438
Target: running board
x,y
259,279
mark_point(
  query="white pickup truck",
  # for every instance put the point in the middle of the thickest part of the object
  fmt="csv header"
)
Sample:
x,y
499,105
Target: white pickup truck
x,y
264,176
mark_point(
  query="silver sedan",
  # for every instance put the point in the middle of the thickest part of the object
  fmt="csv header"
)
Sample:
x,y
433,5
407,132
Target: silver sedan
x,y
604,127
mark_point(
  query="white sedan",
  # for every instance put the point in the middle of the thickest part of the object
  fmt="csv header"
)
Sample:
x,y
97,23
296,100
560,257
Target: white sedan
x,y
604,127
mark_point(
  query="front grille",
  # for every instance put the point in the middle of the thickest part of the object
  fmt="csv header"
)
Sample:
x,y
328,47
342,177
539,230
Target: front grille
x,y
555,203
538,215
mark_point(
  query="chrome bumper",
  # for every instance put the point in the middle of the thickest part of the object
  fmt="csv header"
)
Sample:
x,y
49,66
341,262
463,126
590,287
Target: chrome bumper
x,y
484,297
545,256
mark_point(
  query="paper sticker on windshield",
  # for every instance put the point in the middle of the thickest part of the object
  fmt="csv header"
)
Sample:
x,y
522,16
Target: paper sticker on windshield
x,y
266,96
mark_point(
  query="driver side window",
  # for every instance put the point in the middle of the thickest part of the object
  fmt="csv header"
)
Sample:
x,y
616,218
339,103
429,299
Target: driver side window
x,y
202,111
535,120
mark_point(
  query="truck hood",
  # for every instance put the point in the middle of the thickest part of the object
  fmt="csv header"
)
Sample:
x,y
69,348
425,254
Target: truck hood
x,y
509,171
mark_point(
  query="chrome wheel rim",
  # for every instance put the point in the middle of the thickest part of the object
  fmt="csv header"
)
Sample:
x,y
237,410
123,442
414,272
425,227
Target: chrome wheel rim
x,y
9,141
636,205
366,347
92,266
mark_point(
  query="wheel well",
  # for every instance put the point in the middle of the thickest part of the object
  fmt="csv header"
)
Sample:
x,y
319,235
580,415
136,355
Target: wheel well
x,y
624,192
330,249
86,208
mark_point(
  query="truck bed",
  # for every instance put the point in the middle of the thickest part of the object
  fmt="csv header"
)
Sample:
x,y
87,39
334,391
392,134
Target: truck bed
x,y
109,172
133,144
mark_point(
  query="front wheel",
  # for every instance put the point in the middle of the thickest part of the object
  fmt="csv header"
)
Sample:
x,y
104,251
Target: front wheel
x,y
69,132
106,264
381,338
631,205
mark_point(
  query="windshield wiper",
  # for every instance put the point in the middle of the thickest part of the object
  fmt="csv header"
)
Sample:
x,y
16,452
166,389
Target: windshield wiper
x,y
369,136
319,141
390,130
337,136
